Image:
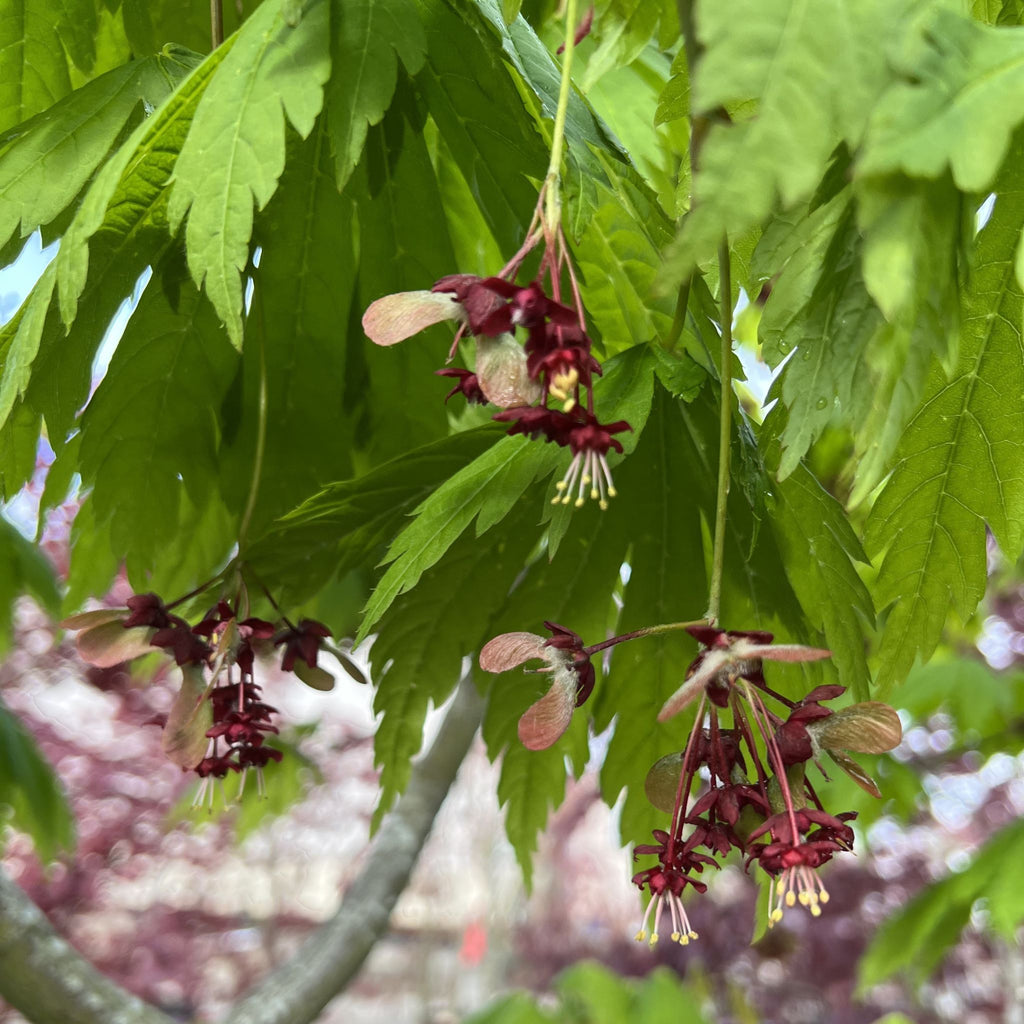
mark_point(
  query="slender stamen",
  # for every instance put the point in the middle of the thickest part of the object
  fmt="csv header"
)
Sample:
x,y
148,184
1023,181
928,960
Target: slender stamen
x,y
584,480
565,485
641,936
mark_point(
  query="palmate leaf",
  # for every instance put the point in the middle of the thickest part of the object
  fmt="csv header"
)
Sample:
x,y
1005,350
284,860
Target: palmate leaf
x,y
622,29
235,150
129,189
574,588
424,636
150,24
148,434
403,244
302,298
486,490
495,154
619,261
818,305
41,43
347,524
119,228
368,38
819,548
30,788
814,69
45,162
913,234
960,466
960,102
490,486
779,52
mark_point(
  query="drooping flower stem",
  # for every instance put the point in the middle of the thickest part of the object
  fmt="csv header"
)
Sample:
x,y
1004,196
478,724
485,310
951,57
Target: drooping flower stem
x,y
687,770
261,434
553,197
195,592
216,23
724,435
665,627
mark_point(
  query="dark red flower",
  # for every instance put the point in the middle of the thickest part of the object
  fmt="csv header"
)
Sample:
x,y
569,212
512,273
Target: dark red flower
x,y
564,369
478,302
727,801
792,738
466,384
301,641
831,827
179,639
572,679
536,421
590,442
729,655
582,30
147,610
666,882
564,639
215,767
527,307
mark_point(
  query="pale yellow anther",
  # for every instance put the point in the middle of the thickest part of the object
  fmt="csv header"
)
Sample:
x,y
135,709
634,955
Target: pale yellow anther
x,y
602,505
776,915
579,503
823,896
790,898
641,936
694,935
586,479
654,940
563,383
561,485
805,899
594,494
567,499
612,493
815,910
676,937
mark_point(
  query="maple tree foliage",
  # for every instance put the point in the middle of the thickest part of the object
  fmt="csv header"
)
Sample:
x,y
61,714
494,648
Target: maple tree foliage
x,y
835,187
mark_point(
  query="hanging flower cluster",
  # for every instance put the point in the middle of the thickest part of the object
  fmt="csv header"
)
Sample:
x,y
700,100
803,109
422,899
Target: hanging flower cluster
x,y
218,723
746,762
543,385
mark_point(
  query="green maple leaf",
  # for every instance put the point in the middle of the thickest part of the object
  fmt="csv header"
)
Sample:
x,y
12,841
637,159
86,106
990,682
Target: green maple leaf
x,y
963,98
368,37
234,153
45,162
960,466
149,422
